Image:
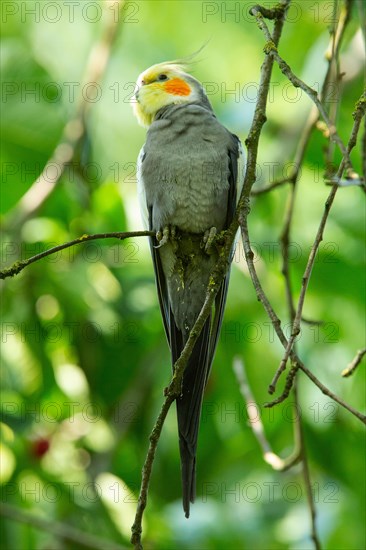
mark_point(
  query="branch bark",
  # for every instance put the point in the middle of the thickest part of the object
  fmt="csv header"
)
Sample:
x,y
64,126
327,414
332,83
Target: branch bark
x,y
354,363
358,115
277,463
17,267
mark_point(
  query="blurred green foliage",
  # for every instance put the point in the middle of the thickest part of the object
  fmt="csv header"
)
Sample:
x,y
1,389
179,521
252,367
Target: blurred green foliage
x,y
84,356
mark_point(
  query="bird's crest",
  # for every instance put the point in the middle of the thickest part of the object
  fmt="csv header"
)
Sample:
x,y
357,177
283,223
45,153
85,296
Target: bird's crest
x,y
164,84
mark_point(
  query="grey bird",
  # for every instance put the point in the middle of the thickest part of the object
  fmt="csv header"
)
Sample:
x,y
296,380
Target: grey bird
x,y
190,173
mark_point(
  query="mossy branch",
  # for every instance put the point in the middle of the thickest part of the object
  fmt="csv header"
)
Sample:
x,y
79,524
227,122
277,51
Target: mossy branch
x,y
216,279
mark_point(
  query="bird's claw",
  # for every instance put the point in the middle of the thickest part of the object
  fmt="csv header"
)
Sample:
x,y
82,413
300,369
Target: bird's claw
x,y
209,239
168,233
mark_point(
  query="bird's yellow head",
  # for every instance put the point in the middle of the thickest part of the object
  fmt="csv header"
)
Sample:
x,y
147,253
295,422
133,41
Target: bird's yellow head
x,y
161,85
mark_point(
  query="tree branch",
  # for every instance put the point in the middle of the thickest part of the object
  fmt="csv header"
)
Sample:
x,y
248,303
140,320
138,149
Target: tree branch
x,y
271,50
273,185
352,366
305,133
337,34
18,266
261,296
358,115
277,463
173,391
330,394
306,472
215,278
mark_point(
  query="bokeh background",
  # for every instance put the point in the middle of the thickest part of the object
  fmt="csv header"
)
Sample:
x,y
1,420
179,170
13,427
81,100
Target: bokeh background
x,y
84,356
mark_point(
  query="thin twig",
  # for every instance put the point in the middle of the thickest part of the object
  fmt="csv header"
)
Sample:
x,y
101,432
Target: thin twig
x,y
352,366
290,380
292,177
18,266
262,297
334,48
330,394
277,463
276,323
358,115
350,182
306,473
285,233
306,132
260,114
285,237
75,128
269,13
271,50
285,247
335,79
58,529
146,471
273,185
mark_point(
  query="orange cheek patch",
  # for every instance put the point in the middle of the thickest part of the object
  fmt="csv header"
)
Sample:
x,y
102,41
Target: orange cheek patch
x,y
177,86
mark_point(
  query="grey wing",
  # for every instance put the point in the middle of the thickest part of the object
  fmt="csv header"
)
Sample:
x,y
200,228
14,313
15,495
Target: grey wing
x,y
147,216
160,283
199,365
236,180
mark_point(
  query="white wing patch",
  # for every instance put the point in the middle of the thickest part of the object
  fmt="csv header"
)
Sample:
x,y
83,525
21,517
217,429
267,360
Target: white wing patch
x,y
241,170
141,192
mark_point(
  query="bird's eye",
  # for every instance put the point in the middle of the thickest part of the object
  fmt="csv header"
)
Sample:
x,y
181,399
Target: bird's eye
x,y
162,77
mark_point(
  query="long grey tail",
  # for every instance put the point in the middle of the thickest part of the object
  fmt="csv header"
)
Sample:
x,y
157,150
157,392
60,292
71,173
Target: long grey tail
x,y
189,406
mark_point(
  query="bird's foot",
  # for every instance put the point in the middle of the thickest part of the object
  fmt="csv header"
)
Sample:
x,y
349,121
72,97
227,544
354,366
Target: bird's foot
x,y
168,233
209,239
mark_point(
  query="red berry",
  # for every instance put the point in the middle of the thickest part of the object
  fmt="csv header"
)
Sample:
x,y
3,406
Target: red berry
x,y
40,447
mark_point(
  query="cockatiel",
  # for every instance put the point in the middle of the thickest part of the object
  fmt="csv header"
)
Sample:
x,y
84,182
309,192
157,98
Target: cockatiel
x,y
189,181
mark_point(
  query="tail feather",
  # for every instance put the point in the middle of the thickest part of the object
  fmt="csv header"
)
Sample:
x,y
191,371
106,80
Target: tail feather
x,y
188,466
189,406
